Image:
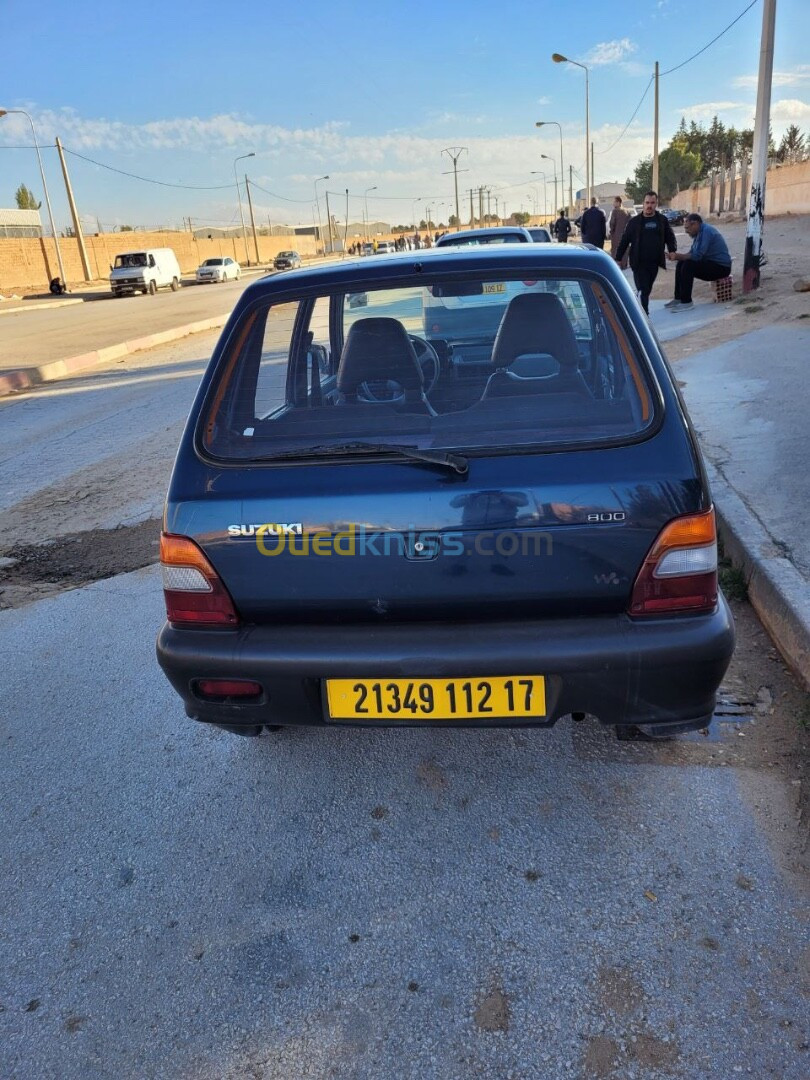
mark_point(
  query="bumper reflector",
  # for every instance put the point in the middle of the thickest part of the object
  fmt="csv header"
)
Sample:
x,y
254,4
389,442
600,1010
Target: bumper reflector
x,y
215,689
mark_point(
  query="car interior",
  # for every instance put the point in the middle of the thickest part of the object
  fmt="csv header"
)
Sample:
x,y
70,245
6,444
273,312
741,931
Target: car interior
x,y
519,370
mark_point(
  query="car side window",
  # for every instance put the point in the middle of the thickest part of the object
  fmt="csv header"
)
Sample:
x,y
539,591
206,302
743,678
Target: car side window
x,y
271,380
151,260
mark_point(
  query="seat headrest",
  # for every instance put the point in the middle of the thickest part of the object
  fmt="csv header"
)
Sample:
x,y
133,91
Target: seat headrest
x,y
379,349
535,323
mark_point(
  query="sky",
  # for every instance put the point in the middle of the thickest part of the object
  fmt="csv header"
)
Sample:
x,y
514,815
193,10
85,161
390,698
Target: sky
x,y
368,93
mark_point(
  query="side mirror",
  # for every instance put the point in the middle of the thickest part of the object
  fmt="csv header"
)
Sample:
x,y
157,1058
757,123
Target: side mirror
x,y
111,266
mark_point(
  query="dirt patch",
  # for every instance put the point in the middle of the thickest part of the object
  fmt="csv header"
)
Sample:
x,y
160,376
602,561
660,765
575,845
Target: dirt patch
x,y
601,1057
37,570
619,991
492,1012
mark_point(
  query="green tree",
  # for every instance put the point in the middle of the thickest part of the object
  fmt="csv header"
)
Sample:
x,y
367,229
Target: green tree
x,y
677,169
641,180
25,199
453,220
521,217
125,228
791,148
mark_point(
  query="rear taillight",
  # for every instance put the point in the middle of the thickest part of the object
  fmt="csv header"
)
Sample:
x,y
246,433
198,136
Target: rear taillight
x,y
680,571
221,689
194,594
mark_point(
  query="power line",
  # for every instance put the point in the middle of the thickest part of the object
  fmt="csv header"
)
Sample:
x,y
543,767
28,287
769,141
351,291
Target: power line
x,y
148,180
676,68
632,118
705,47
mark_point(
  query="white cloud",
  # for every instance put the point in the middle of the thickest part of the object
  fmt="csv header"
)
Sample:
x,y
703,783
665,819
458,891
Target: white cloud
x,y
543,101
798,76
609,52
708,109
790,111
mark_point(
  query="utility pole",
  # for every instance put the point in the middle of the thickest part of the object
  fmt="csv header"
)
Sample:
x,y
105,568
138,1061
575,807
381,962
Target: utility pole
x,y
329,224
655,135
346,227
497,214
454,153
472,211
252,219
489,215
74,214
571,185
592,183
481,204
759,163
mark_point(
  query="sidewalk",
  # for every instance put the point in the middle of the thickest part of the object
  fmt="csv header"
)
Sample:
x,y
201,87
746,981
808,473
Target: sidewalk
x,y
747,401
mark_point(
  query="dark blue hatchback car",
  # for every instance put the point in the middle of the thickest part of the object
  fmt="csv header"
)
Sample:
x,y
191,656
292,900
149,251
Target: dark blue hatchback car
x,y
452,487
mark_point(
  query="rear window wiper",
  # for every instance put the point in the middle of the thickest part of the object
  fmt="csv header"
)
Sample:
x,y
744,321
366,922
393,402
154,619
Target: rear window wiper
x,y
455,462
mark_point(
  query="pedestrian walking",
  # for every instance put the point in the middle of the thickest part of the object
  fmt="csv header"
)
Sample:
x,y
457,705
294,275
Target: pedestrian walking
x,y
594,226
708,260
562,228
617,223
647,236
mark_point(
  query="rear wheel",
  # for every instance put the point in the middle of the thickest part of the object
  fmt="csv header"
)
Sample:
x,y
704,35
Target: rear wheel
x,y
175,284
152,288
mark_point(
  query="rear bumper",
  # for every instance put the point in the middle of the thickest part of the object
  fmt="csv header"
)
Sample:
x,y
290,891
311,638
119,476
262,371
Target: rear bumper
x,y
624,671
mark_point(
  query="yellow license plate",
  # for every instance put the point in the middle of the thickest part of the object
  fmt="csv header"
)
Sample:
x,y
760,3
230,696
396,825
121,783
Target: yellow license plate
x,y
494,288
462,698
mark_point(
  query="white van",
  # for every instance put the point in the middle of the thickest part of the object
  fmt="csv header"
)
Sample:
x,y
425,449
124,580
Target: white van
x,y
145,271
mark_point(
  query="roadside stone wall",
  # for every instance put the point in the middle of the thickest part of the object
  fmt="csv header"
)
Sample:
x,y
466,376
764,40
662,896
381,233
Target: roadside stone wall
x,y
787,191
29,262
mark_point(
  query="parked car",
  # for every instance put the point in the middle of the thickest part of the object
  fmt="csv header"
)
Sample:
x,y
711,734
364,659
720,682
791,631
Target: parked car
x,y
501,234
367,249
674,217
287,260
144,271
540,235
219,269
412,512
385,247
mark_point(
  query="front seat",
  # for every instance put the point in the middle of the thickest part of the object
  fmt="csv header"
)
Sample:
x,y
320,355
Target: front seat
x,y
379,366
535,327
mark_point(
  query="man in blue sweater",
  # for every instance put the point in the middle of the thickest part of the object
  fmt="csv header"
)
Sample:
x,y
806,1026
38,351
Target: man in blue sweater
x,y
708,259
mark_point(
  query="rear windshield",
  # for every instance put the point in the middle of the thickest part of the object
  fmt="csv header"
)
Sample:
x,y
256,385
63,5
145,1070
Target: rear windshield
x,y
477,241
468,364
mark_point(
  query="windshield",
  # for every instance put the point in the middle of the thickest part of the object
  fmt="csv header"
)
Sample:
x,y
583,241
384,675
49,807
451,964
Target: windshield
x,y
138,258
213,262
286,254
454,366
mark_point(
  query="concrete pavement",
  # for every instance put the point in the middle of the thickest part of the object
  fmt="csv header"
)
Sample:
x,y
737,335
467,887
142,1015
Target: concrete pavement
x,y
746,399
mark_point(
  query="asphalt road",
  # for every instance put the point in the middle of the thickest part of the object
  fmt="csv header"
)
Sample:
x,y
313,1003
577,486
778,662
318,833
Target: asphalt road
x,y
178,902
30,338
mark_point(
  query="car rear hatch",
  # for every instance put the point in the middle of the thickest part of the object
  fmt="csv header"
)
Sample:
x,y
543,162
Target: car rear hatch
x,y
533,535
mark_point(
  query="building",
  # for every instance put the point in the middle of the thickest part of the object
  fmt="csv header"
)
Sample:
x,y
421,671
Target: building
x,y
20,223
605,193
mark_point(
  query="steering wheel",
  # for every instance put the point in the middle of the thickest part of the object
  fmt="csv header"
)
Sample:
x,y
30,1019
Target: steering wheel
x,y
387,390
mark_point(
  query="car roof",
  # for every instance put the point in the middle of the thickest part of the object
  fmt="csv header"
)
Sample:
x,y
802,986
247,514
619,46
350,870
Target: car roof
x,y
493,259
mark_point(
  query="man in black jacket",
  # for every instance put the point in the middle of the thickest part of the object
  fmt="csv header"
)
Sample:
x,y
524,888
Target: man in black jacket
x,y
647,235
594,225
562,227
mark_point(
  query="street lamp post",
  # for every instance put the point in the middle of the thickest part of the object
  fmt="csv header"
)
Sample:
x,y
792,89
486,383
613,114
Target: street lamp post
x,y
536,172
558,58
554,123
545,157
239,197
22,112
318,206
365,201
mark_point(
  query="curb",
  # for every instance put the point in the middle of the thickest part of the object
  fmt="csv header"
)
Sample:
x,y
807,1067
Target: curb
x,y
24,378
45,305
778,592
